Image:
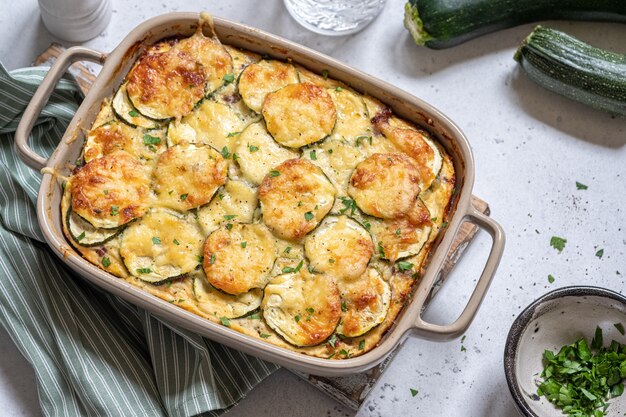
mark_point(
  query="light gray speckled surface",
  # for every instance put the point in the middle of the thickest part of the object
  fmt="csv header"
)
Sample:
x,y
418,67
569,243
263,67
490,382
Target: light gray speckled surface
x,y
530,146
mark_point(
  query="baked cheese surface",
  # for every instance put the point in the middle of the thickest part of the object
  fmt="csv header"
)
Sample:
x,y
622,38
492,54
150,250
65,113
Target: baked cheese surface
x,y
259,195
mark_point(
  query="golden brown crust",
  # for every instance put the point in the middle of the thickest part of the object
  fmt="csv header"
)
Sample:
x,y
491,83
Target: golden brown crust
x,y
115,136
239,257
166,84
111,191
299,114
187,176
295,196
263,77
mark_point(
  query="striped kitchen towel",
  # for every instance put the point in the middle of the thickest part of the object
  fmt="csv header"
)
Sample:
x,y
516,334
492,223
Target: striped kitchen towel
x,y
93,353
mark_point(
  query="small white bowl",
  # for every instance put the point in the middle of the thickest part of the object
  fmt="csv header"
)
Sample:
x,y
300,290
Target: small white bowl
x,y
557,319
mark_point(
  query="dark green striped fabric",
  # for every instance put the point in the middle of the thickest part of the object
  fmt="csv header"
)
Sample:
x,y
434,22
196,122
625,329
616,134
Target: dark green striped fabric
x,y
93,353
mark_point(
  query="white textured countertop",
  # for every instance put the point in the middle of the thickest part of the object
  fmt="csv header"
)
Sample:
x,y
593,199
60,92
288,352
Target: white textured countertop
x,y
530,148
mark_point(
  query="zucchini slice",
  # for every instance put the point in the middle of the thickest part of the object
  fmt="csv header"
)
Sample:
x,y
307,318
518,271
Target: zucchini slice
x,y
336,157
166,84
187,176
263,77
84,234
111,191
258,153
105,115
416,143
239,257
340,246
161,246
235,202
127,113
212,123
114,136
386,186
219,304
323,80
299,114
295,196
303,308
397,239
365,301
210,54
353,121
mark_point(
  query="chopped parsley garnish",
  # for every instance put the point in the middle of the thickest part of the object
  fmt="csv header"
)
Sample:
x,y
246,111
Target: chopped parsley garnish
x,y
255,316
105,192
345,353
308,216
289,269
325,74
115,210
338,89
381,250
550,278
144,270
106,262
264,335
331,261
405,266
244,244
200,259
156,240
310,310
313,155
344,307
225,321
398,231
413,392
332,341
151,140
361,138
221,196
212,259
600,253
81,236
580,186
183,197
558,243
176,242
349,204
274,173
228,78
367,225
229,216
229,226
225,152
133,113
297,318
231,134
580,378
253,148
444,225
287,249
362,344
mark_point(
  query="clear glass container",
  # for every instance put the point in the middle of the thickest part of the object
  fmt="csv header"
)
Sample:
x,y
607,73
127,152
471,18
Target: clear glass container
x,y
334,17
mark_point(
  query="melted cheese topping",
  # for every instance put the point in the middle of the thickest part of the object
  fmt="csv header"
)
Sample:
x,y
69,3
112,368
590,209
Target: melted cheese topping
x,y
219,304
214,59
337,158
235,202
299,114
161,245
385,185
264,77
339,246
187,176
366,302
239,257
211,123
111,191
303,308
114,136
295,196
166,84
352,117
258,153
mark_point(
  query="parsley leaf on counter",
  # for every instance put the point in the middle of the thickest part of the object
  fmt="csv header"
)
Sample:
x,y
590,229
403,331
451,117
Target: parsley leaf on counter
x,y
413,392
600,253
579,379
558,243
580,186
550,278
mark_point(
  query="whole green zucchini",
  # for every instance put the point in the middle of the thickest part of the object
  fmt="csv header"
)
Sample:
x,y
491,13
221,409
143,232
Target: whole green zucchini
x,y
574,69
441,24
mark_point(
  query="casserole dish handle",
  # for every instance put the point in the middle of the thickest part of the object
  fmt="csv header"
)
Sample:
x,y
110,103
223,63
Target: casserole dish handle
x,y
432,331
41,96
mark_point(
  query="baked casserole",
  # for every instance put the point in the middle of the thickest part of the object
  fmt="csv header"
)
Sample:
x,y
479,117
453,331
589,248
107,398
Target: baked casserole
x,y
260,195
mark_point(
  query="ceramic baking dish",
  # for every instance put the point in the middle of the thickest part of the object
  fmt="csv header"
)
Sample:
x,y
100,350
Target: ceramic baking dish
x,y
115,67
